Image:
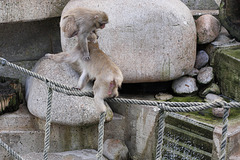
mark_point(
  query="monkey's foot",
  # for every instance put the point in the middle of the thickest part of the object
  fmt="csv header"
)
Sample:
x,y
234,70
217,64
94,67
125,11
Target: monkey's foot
x,y
86,58
48,55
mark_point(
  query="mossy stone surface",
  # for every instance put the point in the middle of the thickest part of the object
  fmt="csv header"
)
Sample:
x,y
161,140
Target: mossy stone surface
x,y
226,68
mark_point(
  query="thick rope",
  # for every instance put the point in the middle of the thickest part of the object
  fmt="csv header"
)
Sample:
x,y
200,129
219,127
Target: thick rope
x,y
163,106
101,135
161,126
48,125
224,134
10,150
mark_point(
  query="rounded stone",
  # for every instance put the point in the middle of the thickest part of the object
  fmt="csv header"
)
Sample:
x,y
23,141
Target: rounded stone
x,y
205,75
66,110
115,149
185,85
208,28
150,40
201,59
163,96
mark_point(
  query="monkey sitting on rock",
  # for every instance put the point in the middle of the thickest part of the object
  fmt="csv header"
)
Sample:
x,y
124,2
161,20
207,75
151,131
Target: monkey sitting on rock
x,y
108,77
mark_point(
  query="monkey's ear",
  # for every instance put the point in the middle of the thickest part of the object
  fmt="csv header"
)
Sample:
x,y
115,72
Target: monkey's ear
x,y
69,26
96,16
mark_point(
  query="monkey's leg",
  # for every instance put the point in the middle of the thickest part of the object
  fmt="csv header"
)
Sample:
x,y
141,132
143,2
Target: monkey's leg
x,y
83,80
57,57
82,40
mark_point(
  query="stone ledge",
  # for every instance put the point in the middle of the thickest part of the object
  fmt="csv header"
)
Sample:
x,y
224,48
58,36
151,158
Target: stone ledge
x,y
226,67
197,13
30,10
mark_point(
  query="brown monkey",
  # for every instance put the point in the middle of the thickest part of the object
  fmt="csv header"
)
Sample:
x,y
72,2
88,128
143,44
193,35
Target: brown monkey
x,y
82,22
108,77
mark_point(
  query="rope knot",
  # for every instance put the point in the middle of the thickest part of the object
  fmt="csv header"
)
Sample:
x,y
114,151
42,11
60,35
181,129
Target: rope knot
x,y
221,103
49,84
162,106
3,61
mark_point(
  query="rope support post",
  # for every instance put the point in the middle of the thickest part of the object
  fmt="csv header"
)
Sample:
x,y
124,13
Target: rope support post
x,y
224,134
101,135
48,124
160,133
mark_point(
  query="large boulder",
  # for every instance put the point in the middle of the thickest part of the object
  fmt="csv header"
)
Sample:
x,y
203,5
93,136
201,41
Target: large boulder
x,y
67,110
149,40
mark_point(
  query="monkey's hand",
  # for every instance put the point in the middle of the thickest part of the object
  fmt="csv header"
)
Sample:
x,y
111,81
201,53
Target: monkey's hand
x,y
86,57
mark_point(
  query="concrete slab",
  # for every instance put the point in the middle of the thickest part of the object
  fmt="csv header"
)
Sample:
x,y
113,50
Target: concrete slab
x,y
30,10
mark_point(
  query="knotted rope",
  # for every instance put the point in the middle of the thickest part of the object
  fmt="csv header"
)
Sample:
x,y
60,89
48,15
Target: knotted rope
x,y
101,136
160,133
48,124
163,106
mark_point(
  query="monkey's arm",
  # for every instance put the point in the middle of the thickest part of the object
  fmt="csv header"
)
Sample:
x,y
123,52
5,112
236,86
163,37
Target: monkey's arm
x,y
83,80
57,57
82,41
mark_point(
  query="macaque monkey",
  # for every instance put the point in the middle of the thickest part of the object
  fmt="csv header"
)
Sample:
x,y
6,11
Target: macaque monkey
x,y
82,22
108,77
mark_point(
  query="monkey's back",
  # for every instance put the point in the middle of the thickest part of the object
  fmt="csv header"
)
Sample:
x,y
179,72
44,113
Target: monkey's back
x,y
100,65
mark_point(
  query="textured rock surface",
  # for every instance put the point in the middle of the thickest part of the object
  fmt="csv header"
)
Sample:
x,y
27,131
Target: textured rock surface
x,y
85,154
205,75
208,28
202,4
194,72
27,10
184,85
152,41
114,149
213,97
201,59
70,110
163,96
226,68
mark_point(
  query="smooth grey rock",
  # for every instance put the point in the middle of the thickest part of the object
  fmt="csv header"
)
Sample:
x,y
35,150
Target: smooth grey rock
x,y
154,40
85,154
114,149
213,97
194,72
163,96
184,85
208,28
201,59
205,75
68,110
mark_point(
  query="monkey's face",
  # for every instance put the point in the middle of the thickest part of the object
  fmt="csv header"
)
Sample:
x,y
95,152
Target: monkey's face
x,y
101,20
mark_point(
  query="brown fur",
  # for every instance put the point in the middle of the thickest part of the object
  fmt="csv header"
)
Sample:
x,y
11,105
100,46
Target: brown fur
x,y
82,22
108,77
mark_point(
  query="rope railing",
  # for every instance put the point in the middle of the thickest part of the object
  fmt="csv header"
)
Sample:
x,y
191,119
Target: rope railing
x,y
163,107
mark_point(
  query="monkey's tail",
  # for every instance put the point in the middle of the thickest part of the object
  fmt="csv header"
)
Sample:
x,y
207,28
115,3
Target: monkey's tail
x,y
99,102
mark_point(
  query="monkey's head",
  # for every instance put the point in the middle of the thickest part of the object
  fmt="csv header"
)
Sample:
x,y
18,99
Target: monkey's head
x,y
100,20
93,37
